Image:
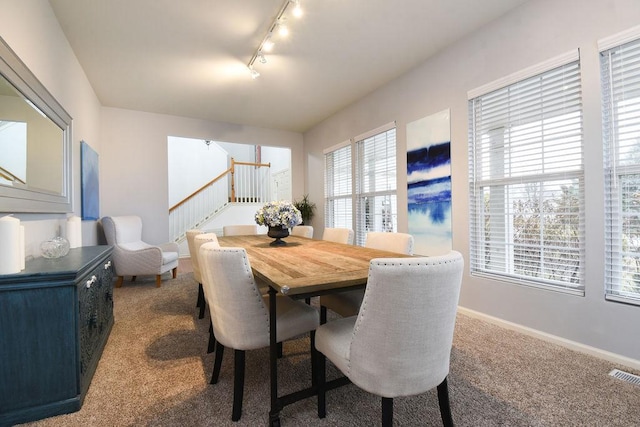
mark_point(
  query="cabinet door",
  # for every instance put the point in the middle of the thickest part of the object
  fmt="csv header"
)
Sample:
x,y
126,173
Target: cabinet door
x,y
37,347
95,307
88,320
104,294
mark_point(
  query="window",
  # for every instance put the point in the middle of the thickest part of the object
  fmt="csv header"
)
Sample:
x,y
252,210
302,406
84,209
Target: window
x,y
376,204
620,65
526,178
338,187
372,194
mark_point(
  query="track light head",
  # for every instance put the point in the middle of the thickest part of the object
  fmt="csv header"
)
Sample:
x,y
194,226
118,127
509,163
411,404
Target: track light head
x,y
297,10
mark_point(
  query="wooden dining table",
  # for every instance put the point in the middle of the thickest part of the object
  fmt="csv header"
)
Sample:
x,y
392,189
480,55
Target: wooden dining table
x,y
302,268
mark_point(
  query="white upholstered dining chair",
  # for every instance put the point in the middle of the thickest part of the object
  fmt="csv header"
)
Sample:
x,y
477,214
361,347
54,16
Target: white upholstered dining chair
x,y
240,312
133,257
239,230
348,303
338,235
199,240
302,231
195,239
200,303
412,303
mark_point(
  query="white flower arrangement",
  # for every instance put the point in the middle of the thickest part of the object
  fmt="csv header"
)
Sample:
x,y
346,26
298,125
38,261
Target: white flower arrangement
x,y
278,214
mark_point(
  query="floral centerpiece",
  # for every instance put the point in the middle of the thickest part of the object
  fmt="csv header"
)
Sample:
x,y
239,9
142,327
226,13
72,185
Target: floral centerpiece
x,y
279,217
281,214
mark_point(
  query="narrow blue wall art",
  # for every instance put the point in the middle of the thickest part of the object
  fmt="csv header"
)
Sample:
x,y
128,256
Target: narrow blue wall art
x,y
429,183
90,182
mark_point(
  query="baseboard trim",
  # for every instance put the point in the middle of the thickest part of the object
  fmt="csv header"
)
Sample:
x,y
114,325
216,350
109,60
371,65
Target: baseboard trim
x,y
573,345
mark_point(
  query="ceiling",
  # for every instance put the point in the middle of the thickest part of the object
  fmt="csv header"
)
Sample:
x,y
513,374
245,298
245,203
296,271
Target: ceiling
x,y
188,58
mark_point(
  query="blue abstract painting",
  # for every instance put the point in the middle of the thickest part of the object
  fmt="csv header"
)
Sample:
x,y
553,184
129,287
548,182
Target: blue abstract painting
x,y
89,182
429,183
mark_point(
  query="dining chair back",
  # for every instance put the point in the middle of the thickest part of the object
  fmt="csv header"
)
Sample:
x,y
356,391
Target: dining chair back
x,y
302,231
195,265
401,243
193,255
240,314
239,230
348,303
412,303
199,240
338,235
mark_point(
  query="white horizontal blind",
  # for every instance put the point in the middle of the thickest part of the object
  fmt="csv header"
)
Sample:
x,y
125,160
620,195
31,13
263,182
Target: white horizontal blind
x,y
376,183
338,188
620,72
527,181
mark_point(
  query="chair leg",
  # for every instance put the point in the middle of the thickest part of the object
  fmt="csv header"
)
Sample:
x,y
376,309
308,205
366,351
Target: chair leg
x,y
387,412
158,280
175,272
217,363
314,357
443,402
200,292
212,339
238,384
321,362
323,314
202,303
119,281
133,278
280,351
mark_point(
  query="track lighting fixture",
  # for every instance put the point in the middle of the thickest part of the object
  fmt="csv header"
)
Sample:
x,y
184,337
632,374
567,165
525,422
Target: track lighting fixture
x,y
267,42
283,30
267,45
297,10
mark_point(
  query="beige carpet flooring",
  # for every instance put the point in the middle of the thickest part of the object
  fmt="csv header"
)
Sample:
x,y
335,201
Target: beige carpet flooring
x,y
155,371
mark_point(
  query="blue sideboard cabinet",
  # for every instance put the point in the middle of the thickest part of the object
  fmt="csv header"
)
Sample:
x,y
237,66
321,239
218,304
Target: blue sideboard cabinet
x,y
55,318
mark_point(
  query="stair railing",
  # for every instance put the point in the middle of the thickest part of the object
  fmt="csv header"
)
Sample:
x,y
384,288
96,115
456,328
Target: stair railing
x,y
242,182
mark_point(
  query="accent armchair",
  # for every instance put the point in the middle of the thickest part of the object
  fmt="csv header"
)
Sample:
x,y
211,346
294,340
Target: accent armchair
x,y
133,257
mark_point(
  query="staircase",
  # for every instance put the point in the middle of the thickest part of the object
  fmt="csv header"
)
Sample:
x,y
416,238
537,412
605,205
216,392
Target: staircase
x,y
242,183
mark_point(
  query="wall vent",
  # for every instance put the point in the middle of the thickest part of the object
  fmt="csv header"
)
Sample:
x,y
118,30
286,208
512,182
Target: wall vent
x,y
625,376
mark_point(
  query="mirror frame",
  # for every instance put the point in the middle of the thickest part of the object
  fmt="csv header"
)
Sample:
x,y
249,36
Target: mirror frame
x,y
29,200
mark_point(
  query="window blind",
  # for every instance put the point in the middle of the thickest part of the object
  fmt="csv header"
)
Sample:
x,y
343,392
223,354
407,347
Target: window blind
x,y
376,183
338,188
620,73
526,181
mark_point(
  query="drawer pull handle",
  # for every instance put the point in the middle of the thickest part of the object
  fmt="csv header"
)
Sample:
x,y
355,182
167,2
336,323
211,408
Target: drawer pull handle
x,y
91,281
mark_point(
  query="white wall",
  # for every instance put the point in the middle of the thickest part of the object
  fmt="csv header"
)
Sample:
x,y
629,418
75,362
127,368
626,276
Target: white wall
x,y
30,28
537,31
191,164
133,161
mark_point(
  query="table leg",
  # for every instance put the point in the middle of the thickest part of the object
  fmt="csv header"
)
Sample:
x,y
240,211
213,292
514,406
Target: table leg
x,y
274,413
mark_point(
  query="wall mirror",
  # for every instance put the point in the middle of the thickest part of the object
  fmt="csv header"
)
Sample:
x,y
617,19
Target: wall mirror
x,y
35,142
